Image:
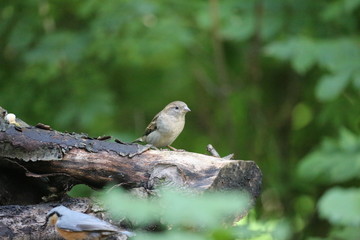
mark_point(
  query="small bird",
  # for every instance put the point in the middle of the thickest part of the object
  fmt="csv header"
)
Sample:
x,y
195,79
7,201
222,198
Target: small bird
x,y
166,125
72,225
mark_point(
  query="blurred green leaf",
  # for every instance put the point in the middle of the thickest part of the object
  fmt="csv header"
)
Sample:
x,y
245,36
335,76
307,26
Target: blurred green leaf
x,y
208,209
335,161
357,79
178,208
341,206
301,116
332,10
332,86
273,229
282,231
351,5
339,56
238,27
305,205
194,216
122,204
59,47
246,231
300,50
348,233
171,235
304,55
222,234
282,50
337,9
81,190
316,238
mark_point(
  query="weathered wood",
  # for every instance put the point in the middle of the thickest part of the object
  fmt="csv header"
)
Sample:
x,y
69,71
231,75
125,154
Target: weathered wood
x,y
78,159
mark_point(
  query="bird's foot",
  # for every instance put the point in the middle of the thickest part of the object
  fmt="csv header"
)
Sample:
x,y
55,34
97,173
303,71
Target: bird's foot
x,y
152,147
175,149
172,148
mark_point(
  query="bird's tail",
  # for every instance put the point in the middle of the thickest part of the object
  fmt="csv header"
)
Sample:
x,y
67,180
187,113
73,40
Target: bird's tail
x,y
139,140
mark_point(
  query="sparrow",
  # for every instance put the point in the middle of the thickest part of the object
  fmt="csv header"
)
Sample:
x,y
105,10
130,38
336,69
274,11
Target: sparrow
x,y
166,126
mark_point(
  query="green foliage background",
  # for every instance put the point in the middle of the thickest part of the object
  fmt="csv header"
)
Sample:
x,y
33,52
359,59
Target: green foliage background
x,y
274,81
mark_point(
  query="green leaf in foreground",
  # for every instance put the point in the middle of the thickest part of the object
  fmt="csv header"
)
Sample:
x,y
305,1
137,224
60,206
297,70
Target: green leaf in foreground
x,y
334,162
178,208
341,206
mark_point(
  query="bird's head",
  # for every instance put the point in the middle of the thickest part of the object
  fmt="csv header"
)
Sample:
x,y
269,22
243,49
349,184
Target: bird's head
x,y
177,108
53,215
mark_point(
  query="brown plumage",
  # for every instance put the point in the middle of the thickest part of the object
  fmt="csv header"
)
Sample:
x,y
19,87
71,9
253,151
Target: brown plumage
x,y
166,125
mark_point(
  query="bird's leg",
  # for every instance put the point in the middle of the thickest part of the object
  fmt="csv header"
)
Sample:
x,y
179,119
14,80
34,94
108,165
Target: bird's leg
x,y
175,149
151,146
172,148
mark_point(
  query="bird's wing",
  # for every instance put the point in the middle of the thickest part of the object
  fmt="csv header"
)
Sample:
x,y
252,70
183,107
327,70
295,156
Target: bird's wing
x,y
99,226
76,221
152,125
104,227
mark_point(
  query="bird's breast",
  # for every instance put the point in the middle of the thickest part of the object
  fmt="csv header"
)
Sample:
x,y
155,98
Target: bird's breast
x,y
170,125
69,235
167,130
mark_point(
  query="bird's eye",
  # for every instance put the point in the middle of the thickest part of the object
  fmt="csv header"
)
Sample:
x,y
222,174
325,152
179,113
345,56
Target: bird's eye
x,y
177,108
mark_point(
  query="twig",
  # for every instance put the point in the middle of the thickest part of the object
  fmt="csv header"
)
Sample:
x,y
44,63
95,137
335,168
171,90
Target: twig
x,y
212,150
229,157
214,153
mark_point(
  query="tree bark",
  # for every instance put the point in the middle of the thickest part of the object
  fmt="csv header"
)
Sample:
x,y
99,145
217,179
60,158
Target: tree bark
x,y
38,164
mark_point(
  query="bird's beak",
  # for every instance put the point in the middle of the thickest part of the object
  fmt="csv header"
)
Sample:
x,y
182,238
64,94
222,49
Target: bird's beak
x,y
187,109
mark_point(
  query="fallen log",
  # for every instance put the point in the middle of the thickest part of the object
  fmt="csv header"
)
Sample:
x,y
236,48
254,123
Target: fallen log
x,y
38,164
